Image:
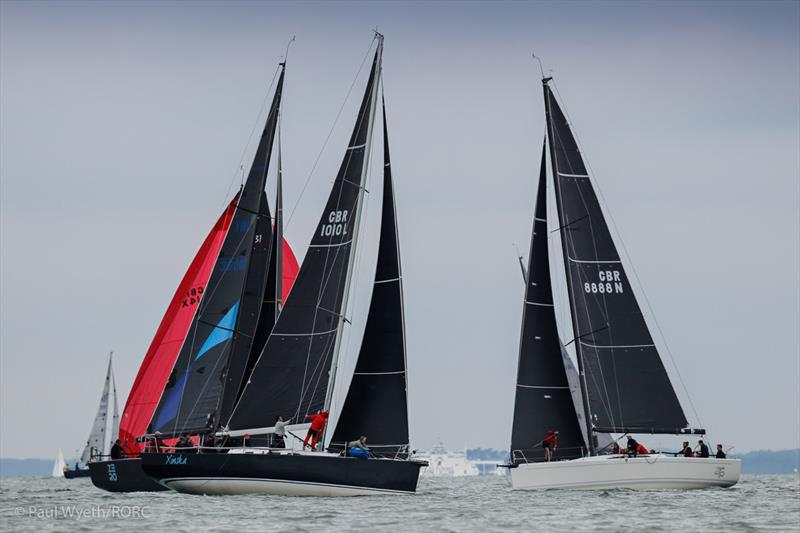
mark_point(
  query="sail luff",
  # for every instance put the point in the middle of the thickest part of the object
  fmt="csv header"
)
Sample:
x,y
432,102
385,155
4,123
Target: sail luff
x,y
353,246
115,419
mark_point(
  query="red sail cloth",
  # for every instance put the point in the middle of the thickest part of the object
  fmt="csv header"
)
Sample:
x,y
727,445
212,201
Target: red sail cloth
x,y
160,358
290,268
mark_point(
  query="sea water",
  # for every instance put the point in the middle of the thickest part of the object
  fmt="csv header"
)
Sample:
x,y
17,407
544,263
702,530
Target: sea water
x,y
442,504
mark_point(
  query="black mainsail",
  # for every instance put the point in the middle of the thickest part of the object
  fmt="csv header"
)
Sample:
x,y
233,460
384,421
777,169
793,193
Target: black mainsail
x,y
292,376
379,384
543,399
626,387
219,339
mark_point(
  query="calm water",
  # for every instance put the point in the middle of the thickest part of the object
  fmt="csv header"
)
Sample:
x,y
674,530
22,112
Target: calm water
x,y
442,504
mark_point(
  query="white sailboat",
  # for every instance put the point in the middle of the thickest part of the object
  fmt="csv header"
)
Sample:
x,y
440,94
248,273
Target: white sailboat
x,y
59,464
623,385
100,440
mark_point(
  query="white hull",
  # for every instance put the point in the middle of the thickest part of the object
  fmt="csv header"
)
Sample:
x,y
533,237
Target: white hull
x,y
222,486
619,472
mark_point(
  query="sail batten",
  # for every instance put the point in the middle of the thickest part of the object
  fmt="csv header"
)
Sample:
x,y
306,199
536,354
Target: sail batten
x,y
626,386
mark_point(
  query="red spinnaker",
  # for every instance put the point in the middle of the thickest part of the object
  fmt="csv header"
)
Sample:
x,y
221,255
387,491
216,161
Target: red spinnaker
x,y
290,268
157,364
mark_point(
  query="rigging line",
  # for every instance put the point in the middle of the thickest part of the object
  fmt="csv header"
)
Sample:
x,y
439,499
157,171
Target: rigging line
x,y
602,306
240,165
325,143
636,275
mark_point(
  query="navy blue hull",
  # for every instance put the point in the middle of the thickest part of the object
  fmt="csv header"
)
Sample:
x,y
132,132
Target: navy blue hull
x,y
239,473
122,475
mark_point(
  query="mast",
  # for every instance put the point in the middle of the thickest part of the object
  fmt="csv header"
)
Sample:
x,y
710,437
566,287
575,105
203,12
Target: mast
x,y
292,376
348,277
278,248
115,418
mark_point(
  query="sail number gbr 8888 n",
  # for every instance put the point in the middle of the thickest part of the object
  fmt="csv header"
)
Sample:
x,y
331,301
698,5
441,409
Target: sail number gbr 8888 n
x,y
337,224
609,283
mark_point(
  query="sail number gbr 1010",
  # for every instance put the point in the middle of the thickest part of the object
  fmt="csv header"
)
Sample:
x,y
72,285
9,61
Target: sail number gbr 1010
x,y
609,283
337,224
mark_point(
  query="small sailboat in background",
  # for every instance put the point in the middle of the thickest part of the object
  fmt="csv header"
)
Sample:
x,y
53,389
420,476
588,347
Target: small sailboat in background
x,y
624,387
59,465
100,438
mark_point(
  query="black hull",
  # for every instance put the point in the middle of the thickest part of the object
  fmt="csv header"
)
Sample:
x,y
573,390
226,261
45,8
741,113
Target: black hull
x,y
122,475
292,474
80,472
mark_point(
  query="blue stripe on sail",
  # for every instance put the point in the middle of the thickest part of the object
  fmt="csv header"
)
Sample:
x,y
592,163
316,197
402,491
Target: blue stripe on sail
x,y
222,332
170,407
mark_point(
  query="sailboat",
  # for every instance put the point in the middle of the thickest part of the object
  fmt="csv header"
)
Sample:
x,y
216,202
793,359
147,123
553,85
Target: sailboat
x,y
244,235
295,373
624,387
59,465
100,439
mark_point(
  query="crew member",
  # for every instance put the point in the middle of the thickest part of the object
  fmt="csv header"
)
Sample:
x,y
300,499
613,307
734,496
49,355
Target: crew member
x,y
633,447
686,451
703,452
549,444
280,432
720,453
358,448
318,421
116,450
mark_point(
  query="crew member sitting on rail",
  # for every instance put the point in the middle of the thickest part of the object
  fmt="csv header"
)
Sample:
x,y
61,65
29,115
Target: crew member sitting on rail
x,y
549,444
358,448
634,448
686,451
116,450
318,422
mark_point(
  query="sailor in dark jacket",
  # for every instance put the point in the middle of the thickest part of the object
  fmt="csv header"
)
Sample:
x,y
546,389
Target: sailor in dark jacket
x,y
116,450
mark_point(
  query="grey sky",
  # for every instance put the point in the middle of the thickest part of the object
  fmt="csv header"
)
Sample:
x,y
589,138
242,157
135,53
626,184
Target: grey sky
x,y
122,126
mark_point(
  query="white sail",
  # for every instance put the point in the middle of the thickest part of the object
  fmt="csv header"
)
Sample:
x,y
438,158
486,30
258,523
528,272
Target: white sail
x,y
59,464
115,419
96,443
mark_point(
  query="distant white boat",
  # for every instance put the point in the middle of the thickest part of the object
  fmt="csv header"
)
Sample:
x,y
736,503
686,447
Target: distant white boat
x,y
59,464
443,463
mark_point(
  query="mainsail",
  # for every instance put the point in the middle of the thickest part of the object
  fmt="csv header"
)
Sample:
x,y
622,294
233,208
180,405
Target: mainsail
x,y
222,329
626,385
291,377
115,419
96,444
379,383
543,400
160,358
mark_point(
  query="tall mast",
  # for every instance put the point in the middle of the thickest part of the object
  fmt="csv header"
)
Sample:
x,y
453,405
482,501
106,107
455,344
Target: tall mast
x,y
575,328
278,233
348,278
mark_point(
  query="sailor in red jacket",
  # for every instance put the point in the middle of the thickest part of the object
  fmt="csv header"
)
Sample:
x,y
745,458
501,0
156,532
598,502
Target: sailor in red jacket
x,y
550,443
318,422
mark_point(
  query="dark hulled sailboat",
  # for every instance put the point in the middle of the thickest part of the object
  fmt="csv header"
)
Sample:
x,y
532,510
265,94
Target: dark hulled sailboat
x,y
623,383
227,300
296,371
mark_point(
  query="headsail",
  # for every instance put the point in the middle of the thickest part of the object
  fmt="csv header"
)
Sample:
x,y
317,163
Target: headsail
x,y
626,383
223,327
115,418
379,384
291,376
160,358
96,444
543,400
